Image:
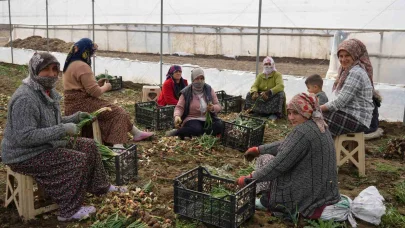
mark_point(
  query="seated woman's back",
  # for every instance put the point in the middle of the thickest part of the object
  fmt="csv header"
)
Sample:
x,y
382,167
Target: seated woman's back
x,y
306,164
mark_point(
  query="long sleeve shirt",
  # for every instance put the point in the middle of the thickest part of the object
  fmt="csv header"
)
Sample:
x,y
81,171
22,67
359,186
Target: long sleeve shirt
x,y
194,110
303,173
355,97
78,76
274,82
34,124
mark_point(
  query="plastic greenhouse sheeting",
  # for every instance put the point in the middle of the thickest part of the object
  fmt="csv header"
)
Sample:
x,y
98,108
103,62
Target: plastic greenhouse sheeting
x,y
233,82
360,14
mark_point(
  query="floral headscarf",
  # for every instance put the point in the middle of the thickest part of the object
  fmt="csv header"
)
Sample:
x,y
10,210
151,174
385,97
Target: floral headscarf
x,y
359,53
85,51
270,60
37,63
177,86
308,106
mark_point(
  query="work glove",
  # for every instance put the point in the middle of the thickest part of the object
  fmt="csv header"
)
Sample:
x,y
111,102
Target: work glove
x,y
85,115
177,121
242,181
71,129
255,95
252,153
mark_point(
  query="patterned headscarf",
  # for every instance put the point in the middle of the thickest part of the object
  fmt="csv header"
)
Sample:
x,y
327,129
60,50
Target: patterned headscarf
x,y
270,60
177,86
308,106
84,53
37,63
359,53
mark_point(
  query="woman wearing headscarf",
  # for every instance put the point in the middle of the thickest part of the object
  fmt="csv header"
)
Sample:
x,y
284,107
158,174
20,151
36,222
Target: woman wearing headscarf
x,y
172,86
196,101
82,93
301,168
352,110
36,142
266,96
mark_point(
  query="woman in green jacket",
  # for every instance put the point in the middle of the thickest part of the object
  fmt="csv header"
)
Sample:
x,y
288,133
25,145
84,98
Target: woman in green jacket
x,y
266,96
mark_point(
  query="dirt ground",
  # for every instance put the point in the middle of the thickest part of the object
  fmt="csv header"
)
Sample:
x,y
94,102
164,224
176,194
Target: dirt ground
x,y
162,165
287,66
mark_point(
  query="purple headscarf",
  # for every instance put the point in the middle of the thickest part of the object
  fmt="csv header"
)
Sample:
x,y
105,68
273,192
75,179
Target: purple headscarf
x,y
177,86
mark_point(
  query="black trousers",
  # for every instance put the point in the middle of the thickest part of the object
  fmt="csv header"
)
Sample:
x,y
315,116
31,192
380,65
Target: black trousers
x,y
196,128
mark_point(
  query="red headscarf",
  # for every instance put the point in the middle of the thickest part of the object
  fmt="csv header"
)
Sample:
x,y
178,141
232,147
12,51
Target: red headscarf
x,y
308,106
358,51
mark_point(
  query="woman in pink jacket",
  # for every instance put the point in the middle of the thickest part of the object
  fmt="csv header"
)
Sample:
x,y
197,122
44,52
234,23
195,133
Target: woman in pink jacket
x,y
190,113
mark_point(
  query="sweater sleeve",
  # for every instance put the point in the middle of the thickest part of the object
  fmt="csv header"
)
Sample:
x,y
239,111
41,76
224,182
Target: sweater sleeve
x,y
215,102
279,84
271,148
86,77
290,153
168,93
25,116
350,87
179,109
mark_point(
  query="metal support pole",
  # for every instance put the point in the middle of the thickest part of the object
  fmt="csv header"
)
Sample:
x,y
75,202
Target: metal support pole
x,y
258,37
11,33
379,59
47,31
94,40
161,40
403,122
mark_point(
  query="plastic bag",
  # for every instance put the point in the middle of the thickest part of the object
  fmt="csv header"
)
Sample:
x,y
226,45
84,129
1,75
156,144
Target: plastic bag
x,y
340,211
368,206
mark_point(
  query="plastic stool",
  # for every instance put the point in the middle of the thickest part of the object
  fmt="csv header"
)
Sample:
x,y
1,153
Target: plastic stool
x,y
20,190
150,93
351,147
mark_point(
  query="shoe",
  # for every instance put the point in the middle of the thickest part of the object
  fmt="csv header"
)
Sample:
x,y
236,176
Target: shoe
x,y
83,213
143,135
272,117
171,133
114,188
259,205
373,135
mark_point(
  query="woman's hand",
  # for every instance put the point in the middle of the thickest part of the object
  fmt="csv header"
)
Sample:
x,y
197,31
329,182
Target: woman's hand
x,y
177,121
252,153
210,107
255,95
264,96
244,180
71,129
106,87
102,81
85,115
324,108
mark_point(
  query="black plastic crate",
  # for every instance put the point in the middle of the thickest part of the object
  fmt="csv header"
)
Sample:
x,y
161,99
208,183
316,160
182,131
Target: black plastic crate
x,y
192,199
153,116
116,83
242,137
126,165
229,103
